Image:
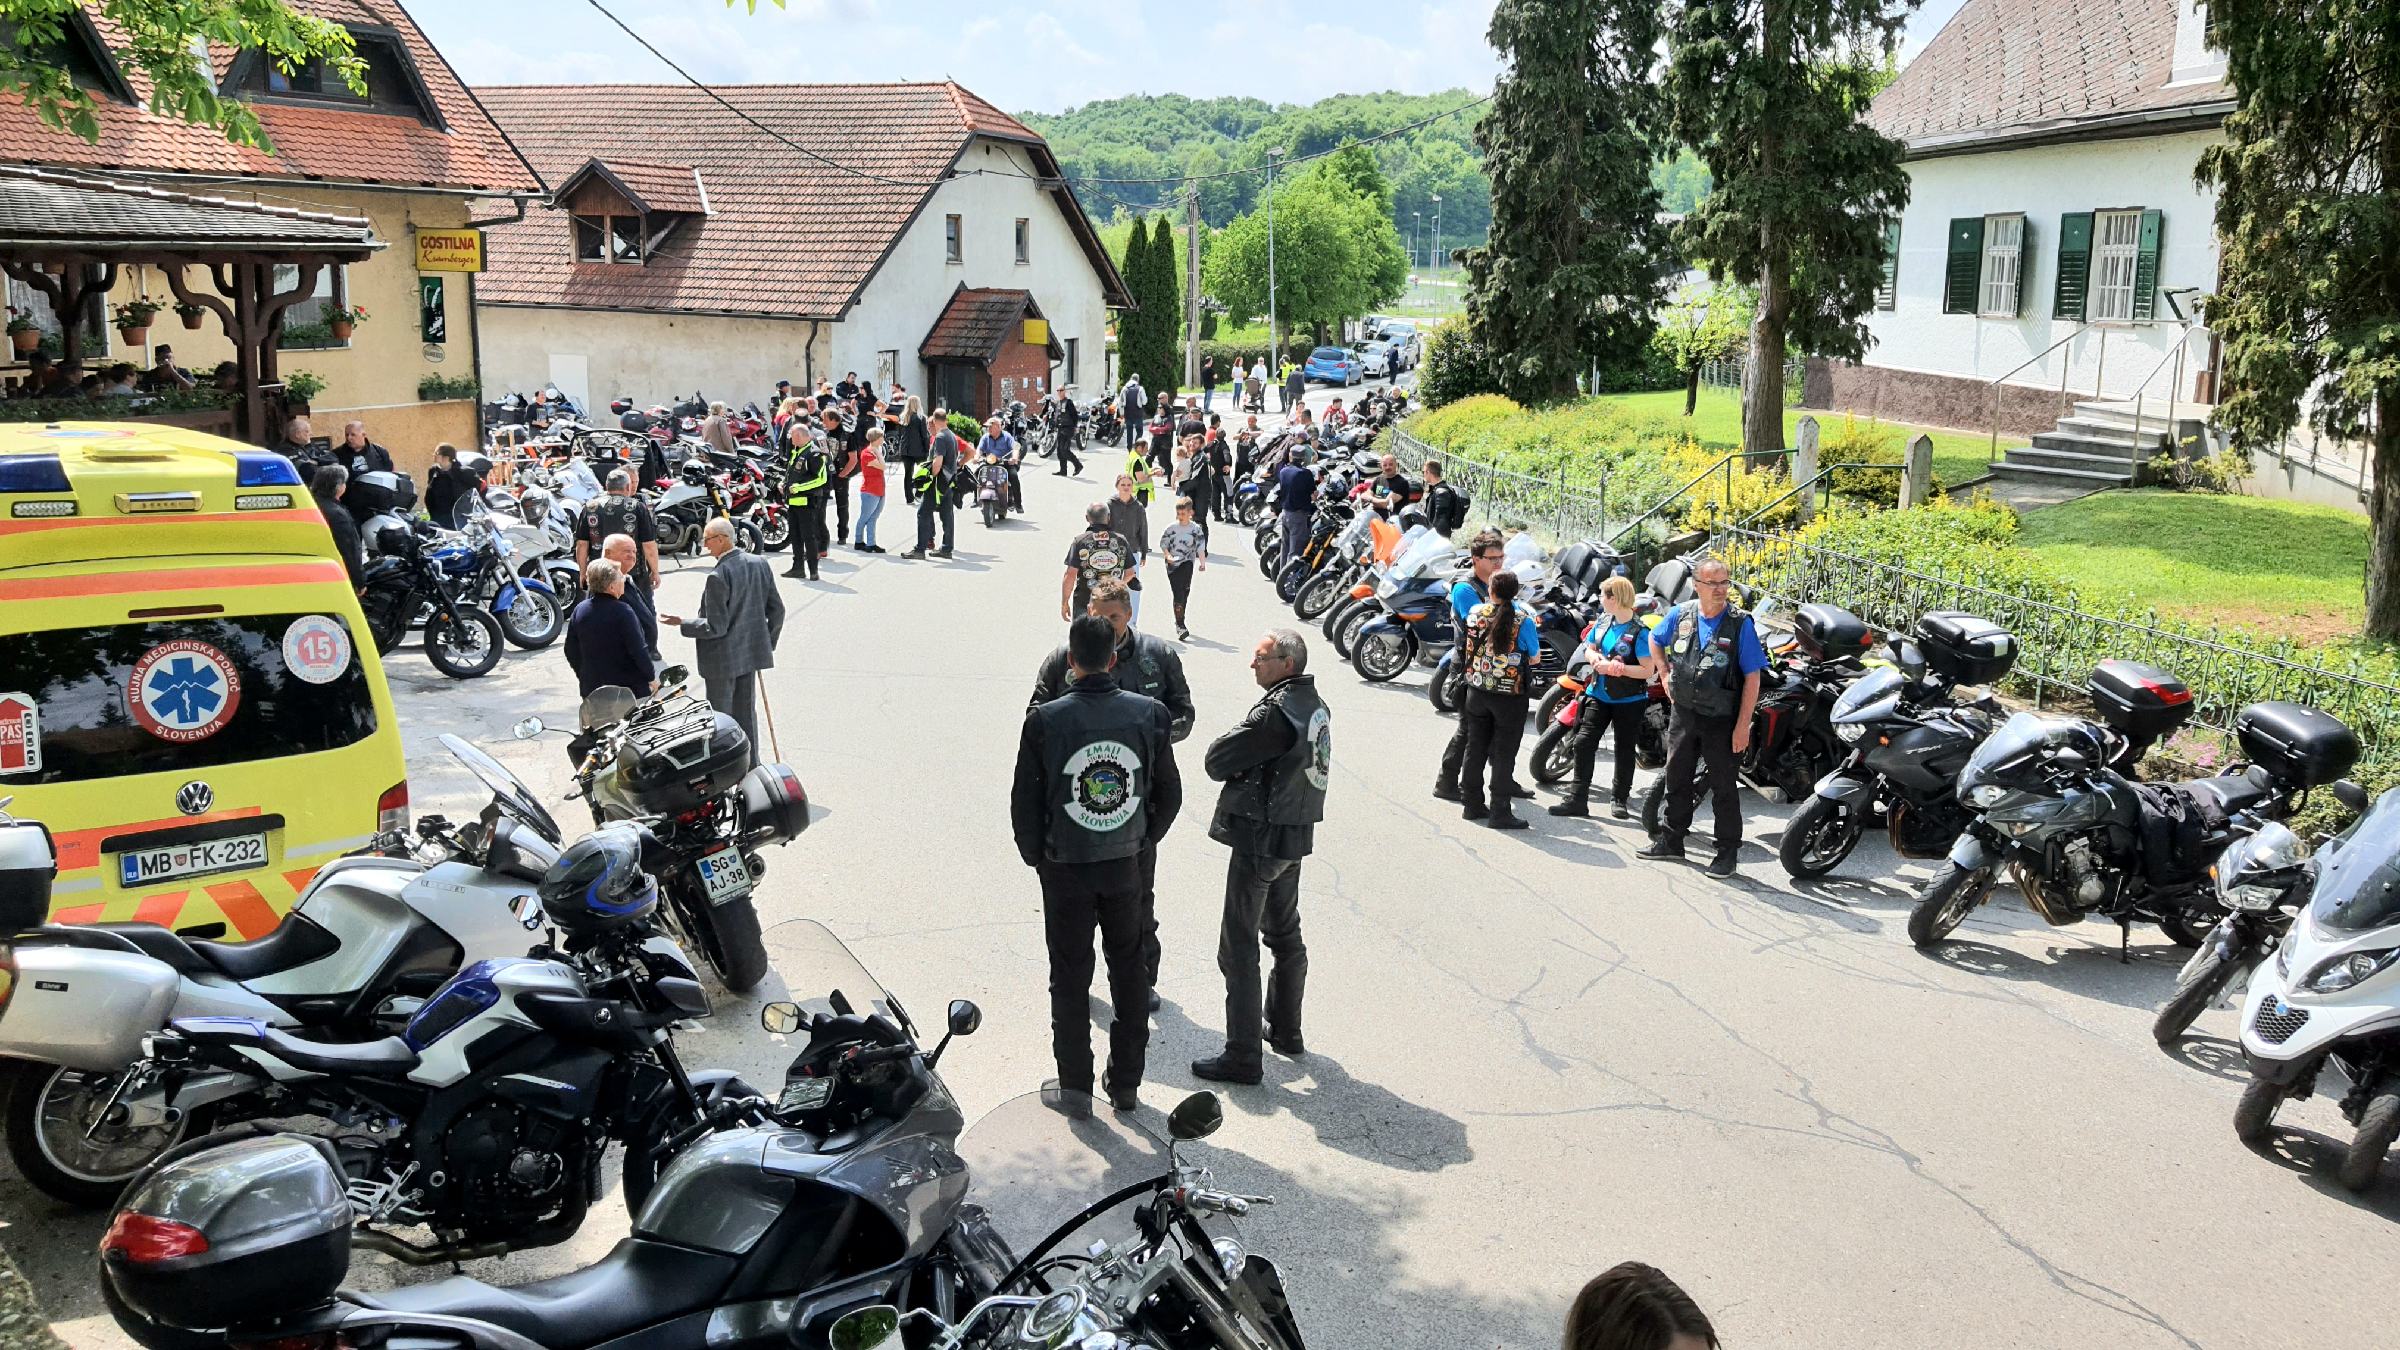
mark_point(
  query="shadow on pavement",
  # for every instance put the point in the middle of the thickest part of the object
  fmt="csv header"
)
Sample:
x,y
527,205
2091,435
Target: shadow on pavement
x,y
2093,971
2211,1055
2313,1157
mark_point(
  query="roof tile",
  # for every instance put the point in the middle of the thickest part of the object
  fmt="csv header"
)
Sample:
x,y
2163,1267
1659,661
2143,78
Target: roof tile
x,y
2008,64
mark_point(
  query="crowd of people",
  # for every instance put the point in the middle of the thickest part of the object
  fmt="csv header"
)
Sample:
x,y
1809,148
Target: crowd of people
x,y
48,377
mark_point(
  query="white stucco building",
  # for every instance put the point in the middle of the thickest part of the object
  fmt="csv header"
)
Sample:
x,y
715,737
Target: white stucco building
x,y
820,230
2054,246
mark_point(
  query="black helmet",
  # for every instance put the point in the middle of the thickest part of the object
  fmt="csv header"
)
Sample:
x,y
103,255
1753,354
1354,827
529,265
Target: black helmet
x,y
621,406
598,884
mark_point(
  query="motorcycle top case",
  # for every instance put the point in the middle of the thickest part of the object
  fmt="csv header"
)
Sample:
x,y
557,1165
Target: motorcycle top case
x,y
1830,633
373,493
774,806
2304,746
2139,700
1965,649
28,866
235,1232
677,764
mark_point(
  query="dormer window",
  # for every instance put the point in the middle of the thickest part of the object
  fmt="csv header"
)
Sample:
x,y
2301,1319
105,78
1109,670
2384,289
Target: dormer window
x,y
393,84
624,211
79,51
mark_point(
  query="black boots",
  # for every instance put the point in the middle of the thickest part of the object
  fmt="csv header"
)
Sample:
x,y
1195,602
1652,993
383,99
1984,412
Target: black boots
x,y
1573,804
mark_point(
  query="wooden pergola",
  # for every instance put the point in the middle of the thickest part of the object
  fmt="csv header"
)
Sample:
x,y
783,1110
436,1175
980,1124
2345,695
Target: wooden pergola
x,y
68,236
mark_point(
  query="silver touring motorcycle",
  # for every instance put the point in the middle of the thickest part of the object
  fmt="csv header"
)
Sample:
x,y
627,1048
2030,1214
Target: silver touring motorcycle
x,y
849,1213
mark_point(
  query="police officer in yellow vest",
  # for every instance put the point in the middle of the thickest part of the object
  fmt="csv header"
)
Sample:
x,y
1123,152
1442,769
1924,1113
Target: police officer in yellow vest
x,y
1096,787
804,495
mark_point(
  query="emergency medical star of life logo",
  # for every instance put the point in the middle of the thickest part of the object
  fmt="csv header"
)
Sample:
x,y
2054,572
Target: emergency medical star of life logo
x,y
1100,794
183,691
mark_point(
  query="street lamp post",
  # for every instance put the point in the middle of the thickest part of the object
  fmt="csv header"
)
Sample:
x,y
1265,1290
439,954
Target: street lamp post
x,y
1274,345
1437,236
1416,237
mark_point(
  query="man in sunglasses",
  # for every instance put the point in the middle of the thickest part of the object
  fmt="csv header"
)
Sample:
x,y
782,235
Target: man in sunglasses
x,y
1713,659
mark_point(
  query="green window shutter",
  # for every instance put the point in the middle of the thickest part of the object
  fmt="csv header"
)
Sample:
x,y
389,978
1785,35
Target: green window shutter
x,y
2145,267
2025,257
1887,291
2074,265
1966,265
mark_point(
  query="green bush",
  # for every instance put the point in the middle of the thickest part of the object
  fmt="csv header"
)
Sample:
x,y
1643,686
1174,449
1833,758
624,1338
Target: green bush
x,y
2222,473
437,388
113,409
1456,365
1652,368
1852,441
967,428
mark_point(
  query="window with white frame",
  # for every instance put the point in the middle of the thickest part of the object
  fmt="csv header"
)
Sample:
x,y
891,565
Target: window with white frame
x,y
1024,240
951,244
2116,258
2003,266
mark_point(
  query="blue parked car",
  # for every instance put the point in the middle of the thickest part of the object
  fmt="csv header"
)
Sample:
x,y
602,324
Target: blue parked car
x,y
1334,365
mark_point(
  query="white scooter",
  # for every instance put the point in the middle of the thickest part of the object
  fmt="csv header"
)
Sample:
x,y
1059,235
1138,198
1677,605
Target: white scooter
x,y
2324,1015
369,939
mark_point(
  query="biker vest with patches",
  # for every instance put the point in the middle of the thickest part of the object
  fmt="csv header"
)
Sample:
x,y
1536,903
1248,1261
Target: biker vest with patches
x,y
1705,678
1290,790
1099,743
1099,555
807,476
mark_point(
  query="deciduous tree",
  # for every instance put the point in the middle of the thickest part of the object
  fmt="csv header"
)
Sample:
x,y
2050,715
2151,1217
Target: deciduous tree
x,y
1770,93
2308,219
1337,255
1577,260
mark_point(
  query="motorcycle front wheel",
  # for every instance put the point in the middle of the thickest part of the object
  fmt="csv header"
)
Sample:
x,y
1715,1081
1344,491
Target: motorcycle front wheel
x,y
52,1116
2378,1126
534,620
2204,978
1654,803
991,514
387,615
468,648
1268,535
1448,688
2254,1117
1554,755
1379,657
1345,634
752,539
1821,833
775,530
1320,593
2189,926
1946,903
1268,562
1289,579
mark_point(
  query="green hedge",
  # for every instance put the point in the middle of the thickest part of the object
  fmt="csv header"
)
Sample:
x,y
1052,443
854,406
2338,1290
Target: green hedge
x,y
112,409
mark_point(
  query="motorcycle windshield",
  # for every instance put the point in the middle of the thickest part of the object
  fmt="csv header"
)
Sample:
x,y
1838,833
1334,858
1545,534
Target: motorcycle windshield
x,y
2358,884
1870,698
1038,1160
2022,737
1428,552
508,793
816,967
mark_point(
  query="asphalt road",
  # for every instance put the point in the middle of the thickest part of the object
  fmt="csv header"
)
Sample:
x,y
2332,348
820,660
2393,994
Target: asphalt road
x,y
1532,1055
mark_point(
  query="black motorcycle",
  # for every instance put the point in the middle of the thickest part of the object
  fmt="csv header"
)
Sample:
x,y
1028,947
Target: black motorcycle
x,y
1792,742
2053,803
2263,878
462,638
1909,735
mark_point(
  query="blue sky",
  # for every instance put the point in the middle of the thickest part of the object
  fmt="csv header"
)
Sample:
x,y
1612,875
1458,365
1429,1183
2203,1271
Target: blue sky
x,y
1043,55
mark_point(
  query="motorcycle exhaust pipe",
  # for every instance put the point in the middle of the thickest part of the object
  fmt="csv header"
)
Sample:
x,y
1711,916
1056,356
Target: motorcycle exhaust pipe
x,y
410,1254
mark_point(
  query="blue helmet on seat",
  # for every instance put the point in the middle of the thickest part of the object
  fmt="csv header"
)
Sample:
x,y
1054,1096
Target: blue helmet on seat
x,y
598,884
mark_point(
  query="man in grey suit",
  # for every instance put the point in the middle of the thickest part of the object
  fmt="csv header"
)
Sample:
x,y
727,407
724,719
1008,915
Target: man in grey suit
x,y
740,621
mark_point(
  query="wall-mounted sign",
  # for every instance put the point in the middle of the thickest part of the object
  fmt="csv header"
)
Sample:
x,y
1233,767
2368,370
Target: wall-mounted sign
x,y
431,320
1037,332
449,250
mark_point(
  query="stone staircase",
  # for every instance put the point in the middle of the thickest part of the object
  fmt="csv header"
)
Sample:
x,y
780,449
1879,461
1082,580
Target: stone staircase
x,y
2097,447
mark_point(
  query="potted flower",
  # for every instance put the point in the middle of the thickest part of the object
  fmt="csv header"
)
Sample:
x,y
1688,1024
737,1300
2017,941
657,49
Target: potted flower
x,y
343,318
190,313
301,386
23,333
133,319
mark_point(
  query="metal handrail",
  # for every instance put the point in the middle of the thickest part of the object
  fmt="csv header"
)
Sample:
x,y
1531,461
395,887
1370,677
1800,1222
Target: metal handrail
x,y
2183,340
1824,476
1995,382
1678,494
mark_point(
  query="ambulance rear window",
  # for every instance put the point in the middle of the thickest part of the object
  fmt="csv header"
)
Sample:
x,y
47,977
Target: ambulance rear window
x,y
80,704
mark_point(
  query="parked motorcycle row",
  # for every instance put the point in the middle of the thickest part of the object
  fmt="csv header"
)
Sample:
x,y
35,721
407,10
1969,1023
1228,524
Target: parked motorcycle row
x,y
1901,736
460,1023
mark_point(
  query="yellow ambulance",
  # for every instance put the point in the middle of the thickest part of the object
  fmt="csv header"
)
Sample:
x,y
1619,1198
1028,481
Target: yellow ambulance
x,y
189,697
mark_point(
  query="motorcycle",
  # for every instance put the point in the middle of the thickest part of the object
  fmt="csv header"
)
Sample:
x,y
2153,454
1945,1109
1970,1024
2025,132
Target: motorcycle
x,y
1408,618
991,491
683,767
1792,741
1910,737
2052,802
509,579
686,505
1573,715
2262,879
462,639
2324,1015
368,939
1105,423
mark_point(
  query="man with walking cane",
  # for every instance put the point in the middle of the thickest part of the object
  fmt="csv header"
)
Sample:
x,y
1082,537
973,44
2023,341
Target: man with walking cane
x,y
739,623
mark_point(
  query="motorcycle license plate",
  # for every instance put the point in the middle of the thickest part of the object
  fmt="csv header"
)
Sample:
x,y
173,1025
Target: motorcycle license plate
x,y
723,876
141,867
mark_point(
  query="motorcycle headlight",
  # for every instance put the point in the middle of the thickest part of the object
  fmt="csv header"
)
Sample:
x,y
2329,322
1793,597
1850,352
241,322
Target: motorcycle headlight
x,y
1850,731
2348,972
2283,960
2252,897
1985,795
1230,1257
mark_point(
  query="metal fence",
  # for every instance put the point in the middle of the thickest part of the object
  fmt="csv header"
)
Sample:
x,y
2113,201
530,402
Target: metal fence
x,y
1555,510
2058,645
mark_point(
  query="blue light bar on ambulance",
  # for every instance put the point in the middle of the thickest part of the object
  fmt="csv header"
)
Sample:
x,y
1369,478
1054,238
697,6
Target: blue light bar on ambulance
x,y
263,468
33,473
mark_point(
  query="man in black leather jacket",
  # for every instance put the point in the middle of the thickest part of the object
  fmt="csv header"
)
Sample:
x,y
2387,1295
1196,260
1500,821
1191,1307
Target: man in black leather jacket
x,y
1096,788
1275,767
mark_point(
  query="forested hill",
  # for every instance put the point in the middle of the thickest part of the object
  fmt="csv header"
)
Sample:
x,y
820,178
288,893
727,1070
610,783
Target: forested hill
x,y
1169,135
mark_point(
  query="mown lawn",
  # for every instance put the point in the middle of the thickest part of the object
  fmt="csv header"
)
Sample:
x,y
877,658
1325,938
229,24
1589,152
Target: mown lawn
x,y
1957,455
2269,566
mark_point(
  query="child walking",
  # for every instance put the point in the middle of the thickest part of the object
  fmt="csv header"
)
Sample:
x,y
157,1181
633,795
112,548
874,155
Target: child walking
x,y
1184,544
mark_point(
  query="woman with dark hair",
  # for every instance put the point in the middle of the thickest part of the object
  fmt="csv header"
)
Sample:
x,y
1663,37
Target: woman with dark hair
x,y
1498,650
1636,1307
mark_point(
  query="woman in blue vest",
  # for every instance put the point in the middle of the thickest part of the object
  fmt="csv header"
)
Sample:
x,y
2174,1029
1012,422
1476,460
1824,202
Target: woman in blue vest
x,y
1618,648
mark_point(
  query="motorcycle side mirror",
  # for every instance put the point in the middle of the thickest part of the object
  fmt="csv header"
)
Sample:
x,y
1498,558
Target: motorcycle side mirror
x,y
781,1018
876,1327
1911,659
672,676
528,729
2352,797
1196,1117
965,1017
684,996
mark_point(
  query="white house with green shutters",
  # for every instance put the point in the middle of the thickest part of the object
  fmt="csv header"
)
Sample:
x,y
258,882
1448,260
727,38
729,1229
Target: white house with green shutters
x,y
2047,267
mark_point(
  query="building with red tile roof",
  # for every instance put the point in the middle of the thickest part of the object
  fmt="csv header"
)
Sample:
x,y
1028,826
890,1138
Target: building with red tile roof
x,y
743,234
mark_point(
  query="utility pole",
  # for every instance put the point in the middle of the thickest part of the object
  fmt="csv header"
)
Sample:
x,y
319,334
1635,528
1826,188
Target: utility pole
x,y
1437,237
1191,284
1274,337
1416,238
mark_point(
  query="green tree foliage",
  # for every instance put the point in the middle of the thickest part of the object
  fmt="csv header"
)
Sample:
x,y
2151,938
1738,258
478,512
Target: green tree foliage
x,y
1337,255
1681,180
2308,215
1705,323
1149,337
157,47
1456,365
1770,93
1577,260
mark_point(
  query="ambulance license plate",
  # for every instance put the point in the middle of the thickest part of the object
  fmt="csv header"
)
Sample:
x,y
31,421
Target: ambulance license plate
x,y
143,866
